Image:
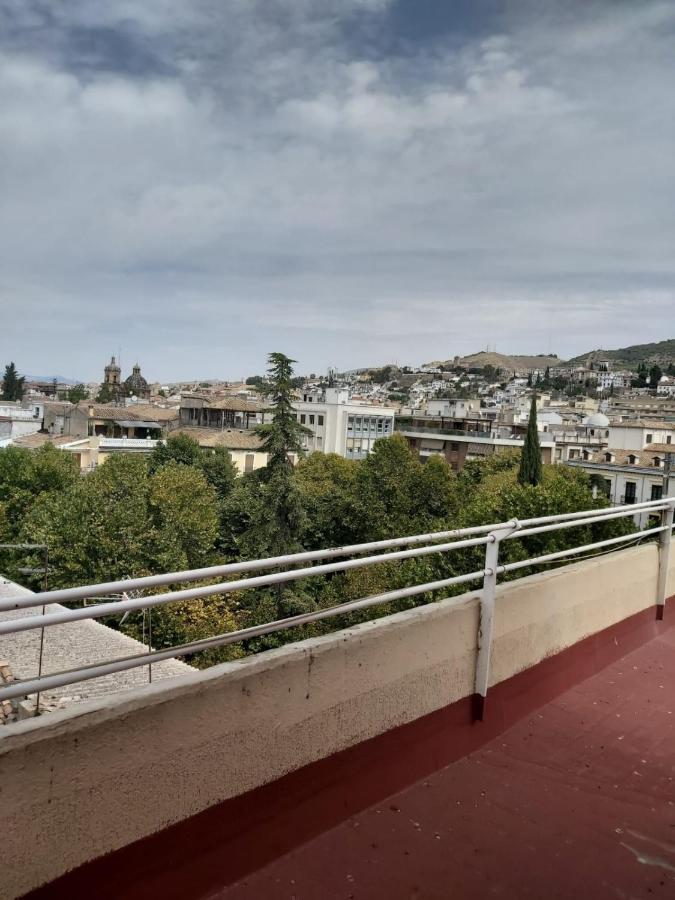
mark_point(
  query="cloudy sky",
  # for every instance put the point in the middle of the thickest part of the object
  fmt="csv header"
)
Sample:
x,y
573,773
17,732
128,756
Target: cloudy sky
x,y
349,181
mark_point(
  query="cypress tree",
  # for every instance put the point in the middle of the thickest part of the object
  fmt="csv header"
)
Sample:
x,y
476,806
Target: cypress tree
x,y
530,460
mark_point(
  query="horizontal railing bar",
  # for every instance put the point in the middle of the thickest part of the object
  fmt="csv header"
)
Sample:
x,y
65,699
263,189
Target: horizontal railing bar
x,y
66,595
556,526
29,623
63,595
97,670
560,554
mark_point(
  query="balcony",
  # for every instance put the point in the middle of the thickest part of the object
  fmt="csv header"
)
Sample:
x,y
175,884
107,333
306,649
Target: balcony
x,y
408,426
516,736
126,443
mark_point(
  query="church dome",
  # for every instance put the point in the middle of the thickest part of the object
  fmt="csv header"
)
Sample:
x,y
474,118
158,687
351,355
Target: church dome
x,y
135,383
597,420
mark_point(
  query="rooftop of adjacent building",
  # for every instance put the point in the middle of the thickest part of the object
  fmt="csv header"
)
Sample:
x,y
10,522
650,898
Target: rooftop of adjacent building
x,y
64,648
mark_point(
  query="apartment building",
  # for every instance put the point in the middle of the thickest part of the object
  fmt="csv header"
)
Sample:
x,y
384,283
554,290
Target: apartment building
x,y
339,426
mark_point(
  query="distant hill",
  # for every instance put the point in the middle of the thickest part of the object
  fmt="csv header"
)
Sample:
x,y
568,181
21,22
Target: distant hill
x,y
661,353
60,379
500,361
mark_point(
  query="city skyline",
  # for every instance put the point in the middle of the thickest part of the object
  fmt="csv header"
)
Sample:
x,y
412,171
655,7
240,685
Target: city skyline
x,y
351,183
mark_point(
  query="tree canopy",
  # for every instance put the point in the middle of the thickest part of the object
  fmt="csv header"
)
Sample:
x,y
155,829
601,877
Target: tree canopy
x,y
184,507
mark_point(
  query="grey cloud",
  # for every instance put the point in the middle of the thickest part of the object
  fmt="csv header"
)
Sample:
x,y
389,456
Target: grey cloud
x,y
201,183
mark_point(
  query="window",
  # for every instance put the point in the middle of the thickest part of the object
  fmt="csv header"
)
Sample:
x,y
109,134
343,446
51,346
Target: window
x,y
320,420
303,419
657,491
608,457
649,438
248,462
669,439
311,419
608,487
632,459
630,492
657,462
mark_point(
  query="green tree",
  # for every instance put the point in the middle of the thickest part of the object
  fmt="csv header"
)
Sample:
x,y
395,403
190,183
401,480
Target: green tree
x,y
530,463
27,474
283,435
275,524
655,375
105,394
98,528
328,488
12,383
180,448
219,471
183,510
77,393
398,495
215,463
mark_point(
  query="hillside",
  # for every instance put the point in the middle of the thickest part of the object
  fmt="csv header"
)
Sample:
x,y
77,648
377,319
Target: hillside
x,y
661,353
500,361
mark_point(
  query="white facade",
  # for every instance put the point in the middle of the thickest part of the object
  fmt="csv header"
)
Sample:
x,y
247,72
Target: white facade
x,y
453,409
338,426
627,436
16,421
617,380
666,386
626,484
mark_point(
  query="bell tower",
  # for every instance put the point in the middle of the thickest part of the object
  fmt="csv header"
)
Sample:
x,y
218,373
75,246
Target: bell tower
x,y
113,375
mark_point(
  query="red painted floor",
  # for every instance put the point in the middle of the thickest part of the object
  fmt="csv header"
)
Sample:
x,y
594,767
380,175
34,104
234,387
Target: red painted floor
x,y
576,800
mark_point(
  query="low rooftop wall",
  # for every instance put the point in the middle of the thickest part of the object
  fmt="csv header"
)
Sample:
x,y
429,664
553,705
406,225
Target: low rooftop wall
x,y
80,783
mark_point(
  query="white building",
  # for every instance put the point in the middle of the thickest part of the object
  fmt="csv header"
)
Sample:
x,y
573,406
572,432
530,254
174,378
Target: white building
x,y
666,386
16,421
637,434
338,426
453,409
614,380
632,476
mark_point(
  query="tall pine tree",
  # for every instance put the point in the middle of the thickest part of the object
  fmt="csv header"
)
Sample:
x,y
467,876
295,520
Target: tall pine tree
x,y
282,515
530,460
12,384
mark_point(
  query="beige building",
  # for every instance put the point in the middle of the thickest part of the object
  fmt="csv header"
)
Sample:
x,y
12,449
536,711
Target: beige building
x,y
203,411
136,421
242,445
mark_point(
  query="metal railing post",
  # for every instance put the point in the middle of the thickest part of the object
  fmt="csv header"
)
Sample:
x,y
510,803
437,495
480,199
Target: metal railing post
x,y
665,540
487,608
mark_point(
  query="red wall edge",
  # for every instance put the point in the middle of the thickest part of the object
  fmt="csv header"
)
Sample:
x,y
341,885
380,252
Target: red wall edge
x,y
223,843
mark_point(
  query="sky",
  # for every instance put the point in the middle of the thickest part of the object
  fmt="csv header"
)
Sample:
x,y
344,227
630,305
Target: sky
x,y
351,182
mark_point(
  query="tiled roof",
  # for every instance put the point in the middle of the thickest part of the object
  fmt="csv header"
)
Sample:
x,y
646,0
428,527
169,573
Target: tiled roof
x,y
645,423
139,411
79,644
231,439
644,458
661,448
33,441
238,404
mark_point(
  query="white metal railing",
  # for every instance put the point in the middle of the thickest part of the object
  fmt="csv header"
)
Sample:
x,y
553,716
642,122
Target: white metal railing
x,y
358,555
143,443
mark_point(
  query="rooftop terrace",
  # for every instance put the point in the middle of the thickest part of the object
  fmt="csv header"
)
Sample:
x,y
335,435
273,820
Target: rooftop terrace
x,y
515,739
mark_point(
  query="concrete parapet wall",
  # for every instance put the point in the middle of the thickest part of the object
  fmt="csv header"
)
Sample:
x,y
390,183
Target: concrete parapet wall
x,y
81,783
